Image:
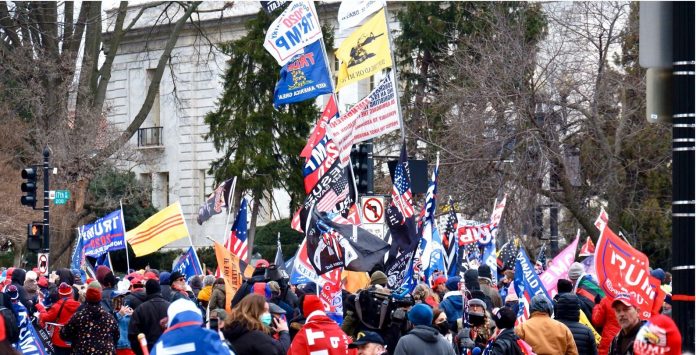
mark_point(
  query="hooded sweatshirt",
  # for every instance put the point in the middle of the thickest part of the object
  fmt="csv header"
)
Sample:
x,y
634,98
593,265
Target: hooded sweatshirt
x,y
334,341
184,334
423,339
568,313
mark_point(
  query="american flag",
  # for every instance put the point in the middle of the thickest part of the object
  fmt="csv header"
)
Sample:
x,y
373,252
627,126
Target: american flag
x,y
449,238
401,190
506,256
237,242
338,192
428,212
542,256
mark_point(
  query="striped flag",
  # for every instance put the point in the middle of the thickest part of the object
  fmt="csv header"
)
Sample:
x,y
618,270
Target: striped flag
x,y
157,231
237,242
338,192
401,190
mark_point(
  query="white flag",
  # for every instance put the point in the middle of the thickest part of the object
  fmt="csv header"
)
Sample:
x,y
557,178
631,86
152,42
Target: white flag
x,y
295,28
351,13
371,117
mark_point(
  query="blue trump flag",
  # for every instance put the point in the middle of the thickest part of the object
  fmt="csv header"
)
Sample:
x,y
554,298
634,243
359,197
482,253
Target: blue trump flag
x,y
306,76
188,264
104,235
78,255
527,283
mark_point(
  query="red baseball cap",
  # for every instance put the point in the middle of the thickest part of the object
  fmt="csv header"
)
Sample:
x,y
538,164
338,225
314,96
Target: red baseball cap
x,y
624,298
440,280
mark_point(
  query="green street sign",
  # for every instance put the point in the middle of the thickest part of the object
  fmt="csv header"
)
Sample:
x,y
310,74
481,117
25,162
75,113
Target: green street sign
x,y
62,197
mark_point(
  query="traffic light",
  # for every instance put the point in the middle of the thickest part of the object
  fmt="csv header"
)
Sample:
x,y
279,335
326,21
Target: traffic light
x,y
29,187
361,158
34,236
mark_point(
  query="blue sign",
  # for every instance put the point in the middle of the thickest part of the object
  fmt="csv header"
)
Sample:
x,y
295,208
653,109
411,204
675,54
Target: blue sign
x,y
188,264
105,235
305,77
78,255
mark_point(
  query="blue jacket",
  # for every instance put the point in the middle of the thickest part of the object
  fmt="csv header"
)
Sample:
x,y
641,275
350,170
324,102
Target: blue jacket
x,y
452,305
185,334
123,321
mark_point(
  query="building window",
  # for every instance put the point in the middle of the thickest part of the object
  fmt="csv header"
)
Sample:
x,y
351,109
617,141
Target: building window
x,y
154,115
160,190
201,186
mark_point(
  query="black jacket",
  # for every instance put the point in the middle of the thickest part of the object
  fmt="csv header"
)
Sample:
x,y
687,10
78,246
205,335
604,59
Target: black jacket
x,y
622,344
135,299
506,343
567,311
146,319
18,276
254,342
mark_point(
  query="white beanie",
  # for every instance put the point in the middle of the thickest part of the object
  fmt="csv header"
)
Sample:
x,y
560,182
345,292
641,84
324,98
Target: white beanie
x,y
31,275
576,270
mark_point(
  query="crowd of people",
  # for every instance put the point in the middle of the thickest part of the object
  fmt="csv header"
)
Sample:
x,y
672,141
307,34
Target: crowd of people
x,y
153,312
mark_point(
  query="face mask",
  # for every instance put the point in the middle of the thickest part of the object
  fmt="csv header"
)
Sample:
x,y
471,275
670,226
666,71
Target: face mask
x,y
443,328
266,319
476,319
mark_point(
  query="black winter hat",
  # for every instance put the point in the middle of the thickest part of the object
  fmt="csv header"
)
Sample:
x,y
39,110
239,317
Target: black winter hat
x,y
564,286
504,318
152,286
471,280
484,271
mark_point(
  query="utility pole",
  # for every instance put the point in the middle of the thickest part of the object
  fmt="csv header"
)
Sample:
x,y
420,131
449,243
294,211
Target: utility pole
x,y
46,227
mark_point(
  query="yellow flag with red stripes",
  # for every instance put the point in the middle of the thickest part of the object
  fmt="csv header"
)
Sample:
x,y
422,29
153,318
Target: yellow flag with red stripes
x,y
157,231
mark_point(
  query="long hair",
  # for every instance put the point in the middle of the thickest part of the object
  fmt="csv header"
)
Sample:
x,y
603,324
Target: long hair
x,y
247,313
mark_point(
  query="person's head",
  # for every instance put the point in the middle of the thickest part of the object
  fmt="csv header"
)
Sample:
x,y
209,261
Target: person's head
x,y
420,314
368,343
311,304
576,270
249,313
195,282
152,287
378,278
504,318
64,290
439,284
220,315
541,304
94,293
105,276
440,321
477,311
209,280
659,274
509,276
452,283
178,280
564,286
626,311
219,281
117,299
484,274
667,306
668,278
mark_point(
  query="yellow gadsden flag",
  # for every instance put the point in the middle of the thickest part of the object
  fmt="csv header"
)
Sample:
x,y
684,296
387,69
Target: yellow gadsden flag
x,y
157,231
365,52
230,270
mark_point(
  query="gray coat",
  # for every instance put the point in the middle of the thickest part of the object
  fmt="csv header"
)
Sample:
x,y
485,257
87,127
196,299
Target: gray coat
x,y
423,340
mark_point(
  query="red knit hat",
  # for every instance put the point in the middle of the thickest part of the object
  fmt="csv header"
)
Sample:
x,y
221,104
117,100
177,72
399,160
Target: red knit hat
x,y
65,290
659,335
43,281
93,294
440,280
311,303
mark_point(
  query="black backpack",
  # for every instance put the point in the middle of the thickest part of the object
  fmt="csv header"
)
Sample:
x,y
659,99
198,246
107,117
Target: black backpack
x,y
11,327
372,308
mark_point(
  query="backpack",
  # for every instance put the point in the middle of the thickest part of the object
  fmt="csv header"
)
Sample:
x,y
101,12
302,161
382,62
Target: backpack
x,y
11,327
372,308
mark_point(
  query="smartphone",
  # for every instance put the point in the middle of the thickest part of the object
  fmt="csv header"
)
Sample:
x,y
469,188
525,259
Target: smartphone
x,y
213,324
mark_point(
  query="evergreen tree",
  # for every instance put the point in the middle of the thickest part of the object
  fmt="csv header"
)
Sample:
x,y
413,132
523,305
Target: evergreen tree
x,y
260,145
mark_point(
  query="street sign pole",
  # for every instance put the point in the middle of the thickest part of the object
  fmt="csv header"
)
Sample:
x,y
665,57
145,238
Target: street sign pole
x,y
46,228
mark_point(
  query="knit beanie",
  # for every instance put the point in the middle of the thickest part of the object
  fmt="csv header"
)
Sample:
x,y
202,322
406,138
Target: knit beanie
x,y
659,335
378,278
12,292
484,272
208,280
576,270
65,290
94,292
504,318
152,286
310,304
471,280
31,275
564,286
164,278
658,273
452,283
421,314
105,276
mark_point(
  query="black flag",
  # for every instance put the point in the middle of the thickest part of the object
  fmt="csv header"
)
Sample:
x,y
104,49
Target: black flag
x,y
332,245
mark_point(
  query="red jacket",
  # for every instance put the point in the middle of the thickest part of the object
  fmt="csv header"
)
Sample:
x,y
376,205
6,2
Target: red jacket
x,y
603,315
52,316
320,333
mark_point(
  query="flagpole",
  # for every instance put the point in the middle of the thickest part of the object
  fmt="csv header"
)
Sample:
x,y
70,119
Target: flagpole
x,y
123,223
229,208
189,237
108,256
396,72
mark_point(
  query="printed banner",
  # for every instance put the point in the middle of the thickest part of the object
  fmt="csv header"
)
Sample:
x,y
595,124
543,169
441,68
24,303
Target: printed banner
x,y
216,201
330,294
371,117
365,52
104,235
623,269
188,264
294,29
323,156
558,269
472,234
305,77
527,283
330,111
351,13
231,270
29,341
78,256
270,6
